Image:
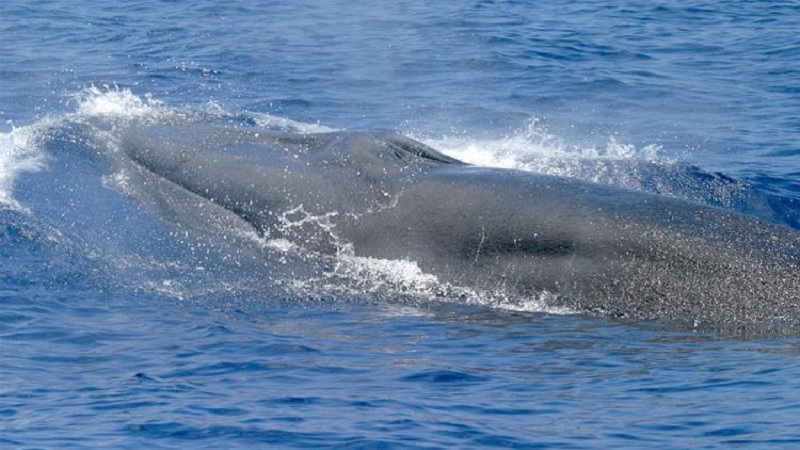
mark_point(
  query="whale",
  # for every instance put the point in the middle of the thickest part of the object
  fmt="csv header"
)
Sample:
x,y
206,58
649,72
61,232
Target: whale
x,y
592,248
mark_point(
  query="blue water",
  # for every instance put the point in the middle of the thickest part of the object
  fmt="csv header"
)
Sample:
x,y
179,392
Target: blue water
x,y
119,331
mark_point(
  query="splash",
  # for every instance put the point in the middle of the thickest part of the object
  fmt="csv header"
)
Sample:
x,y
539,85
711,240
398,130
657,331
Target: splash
x,y
114,102
19,153
402,281
404,278
376,275
534,148
268,121
20,149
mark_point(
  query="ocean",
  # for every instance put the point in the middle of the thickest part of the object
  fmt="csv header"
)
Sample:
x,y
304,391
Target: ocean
x,y
119,329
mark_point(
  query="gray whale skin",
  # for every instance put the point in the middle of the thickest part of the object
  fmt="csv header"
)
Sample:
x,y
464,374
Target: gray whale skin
x,y
598,249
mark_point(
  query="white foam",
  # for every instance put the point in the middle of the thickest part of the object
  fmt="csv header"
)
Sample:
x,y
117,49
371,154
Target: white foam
x,y
288,125
271,122
19,152
381,275
281,245
533,148
115,102
403,277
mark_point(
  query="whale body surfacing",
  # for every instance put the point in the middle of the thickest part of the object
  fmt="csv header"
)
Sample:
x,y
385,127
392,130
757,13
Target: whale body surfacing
x,y
598,248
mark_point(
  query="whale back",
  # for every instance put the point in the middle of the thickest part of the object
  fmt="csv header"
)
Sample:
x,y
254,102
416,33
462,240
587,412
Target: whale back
x,y
258,174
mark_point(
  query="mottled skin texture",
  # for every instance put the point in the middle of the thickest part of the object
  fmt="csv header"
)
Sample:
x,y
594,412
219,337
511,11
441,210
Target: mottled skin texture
x,y
600,249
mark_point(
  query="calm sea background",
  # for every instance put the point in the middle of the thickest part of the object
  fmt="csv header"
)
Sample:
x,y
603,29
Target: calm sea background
x,y
115,333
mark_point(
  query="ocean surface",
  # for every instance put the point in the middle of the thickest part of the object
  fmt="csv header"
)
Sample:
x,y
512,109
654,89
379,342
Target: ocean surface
x,y
120,330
